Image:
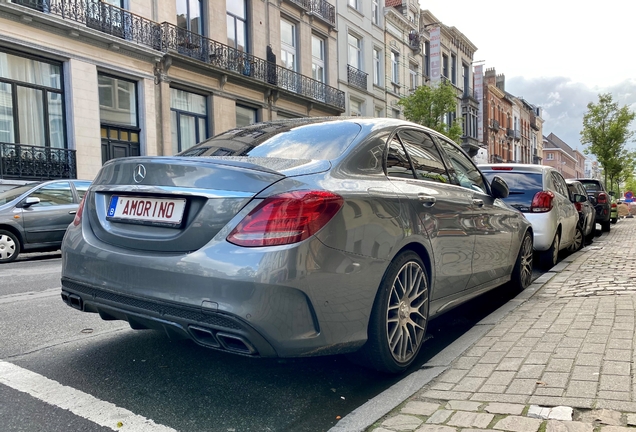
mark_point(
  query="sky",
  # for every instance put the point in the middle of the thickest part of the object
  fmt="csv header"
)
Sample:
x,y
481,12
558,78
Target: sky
x,y
557,54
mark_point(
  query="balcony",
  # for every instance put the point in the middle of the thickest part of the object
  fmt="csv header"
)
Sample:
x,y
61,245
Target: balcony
x,y
494,125
102,17
533,123
356,77
228,59
513,133
318,8
27,162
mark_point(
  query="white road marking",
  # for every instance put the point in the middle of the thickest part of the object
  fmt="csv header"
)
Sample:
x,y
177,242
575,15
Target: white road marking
x,y
79,403
11,298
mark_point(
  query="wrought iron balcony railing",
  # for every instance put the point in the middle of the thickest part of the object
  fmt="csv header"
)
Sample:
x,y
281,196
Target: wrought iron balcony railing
x,y
319,8
514,133
533,123
103,17
356,77
27,162
494,125
230,59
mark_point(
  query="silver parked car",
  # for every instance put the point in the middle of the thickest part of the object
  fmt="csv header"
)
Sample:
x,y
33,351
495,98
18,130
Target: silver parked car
x,y
296,238
34,217
540,192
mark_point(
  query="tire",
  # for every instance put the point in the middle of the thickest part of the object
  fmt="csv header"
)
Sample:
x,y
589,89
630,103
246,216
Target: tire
x,y
549,258
9,247
397,327
578,241
522,272
605,226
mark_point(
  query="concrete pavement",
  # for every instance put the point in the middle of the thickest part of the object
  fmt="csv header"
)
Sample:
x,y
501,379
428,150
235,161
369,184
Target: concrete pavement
x,y
561,361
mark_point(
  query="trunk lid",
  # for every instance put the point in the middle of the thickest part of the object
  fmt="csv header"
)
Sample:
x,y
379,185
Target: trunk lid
x,y
178,204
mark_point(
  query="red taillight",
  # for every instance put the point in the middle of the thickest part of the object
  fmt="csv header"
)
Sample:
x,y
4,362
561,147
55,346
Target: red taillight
x,y
602,198
613,205
502,168
578,206
542,202
80,210
286,218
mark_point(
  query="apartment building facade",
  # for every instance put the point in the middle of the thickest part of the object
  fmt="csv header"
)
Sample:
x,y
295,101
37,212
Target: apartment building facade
x,y
82,82
558,154
361,53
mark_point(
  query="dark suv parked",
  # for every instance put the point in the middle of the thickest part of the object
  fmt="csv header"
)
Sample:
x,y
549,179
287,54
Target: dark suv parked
x,y
600,199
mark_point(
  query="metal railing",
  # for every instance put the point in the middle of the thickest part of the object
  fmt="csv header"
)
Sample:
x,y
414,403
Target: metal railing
x,y
514,133
356,77
230,59
319,8
494,125
102,17
27,162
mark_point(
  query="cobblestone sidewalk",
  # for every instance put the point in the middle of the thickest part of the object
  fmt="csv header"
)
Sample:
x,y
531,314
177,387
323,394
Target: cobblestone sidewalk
x,y
570,346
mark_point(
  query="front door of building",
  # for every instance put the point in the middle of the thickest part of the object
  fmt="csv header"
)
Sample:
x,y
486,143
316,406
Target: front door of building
x,y
119,142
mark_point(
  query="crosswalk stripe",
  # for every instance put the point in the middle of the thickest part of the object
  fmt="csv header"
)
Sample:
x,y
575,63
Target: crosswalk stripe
x,y
79,403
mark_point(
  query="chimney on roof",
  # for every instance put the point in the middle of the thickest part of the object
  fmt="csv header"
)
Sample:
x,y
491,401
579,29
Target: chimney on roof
x,y
501,82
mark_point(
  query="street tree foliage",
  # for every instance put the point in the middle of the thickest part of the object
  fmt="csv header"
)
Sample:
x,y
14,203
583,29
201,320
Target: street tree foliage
x,y
606,132
428,105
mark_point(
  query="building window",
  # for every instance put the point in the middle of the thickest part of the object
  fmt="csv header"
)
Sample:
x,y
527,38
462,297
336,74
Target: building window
x,y
453,75
318,59
375,12
395,67
413,76
377,62
378,112
355,47
445,65
245,116
189,117
237,24
466,79
189,13
288,44
118,116
396,113
427,53
31,102
549,156
355,107
353,3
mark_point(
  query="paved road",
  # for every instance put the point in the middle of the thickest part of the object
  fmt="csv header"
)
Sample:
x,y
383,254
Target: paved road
x,y
175,383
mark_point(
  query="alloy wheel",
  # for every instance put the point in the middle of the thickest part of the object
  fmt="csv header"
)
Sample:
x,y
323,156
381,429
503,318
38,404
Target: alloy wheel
x,y
578,240
527,253
555,249
7,247
407,312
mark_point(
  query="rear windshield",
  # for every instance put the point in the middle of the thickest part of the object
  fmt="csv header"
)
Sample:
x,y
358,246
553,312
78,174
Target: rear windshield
x,y
591,186
318,141
523,187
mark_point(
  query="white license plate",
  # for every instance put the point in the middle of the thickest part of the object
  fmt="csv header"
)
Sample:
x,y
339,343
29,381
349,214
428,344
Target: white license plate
x,y
143,209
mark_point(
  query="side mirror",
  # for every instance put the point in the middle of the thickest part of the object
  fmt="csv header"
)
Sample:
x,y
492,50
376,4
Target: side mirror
x,y
579,198
30,201
499,187
612,193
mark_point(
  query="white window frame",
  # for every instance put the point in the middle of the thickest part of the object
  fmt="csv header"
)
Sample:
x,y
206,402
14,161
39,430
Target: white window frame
x,y
290,49
360,105
413,73
375,12
549,156
318,62
395,67
354,4
377,66
358,51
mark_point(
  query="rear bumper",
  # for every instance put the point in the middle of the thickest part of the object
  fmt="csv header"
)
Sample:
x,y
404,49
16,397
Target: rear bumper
x,y
544,226
295,301
603,213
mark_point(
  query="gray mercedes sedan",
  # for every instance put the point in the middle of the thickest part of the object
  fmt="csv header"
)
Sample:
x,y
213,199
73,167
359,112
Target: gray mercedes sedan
x,y
296,238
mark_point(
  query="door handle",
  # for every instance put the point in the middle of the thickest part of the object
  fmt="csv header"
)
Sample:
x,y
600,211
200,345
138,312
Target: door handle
x,y
478,202
72,212
427,200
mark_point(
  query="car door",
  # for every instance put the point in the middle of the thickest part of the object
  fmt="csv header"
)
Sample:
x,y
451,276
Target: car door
x,y
492,222
568,216
46,222
441,207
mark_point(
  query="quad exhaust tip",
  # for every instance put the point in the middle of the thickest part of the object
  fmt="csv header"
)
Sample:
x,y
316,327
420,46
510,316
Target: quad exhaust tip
x,y
227,341
73,300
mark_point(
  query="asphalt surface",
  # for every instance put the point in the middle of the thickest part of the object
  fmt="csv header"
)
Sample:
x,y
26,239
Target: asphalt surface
x,y
177,383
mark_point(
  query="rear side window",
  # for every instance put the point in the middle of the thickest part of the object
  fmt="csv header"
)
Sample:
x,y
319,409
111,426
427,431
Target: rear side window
x,y
397,163
426,160
523,187
559,184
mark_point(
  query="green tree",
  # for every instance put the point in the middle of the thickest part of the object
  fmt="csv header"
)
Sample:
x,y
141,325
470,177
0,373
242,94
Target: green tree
x,y
605,132
428,105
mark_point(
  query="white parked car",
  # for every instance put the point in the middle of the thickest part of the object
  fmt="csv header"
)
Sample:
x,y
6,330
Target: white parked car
x,y
541,194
